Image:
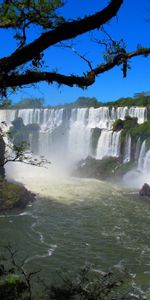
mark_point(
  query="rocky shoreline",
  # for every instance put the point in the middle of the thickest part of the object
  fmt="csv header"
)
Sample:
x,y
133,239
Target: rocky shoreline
x,y
14,196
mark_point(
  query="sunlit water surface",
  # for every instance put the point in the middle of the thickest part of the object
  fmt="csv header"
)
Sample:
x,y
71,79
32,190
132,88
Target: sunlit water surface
x,y
75,222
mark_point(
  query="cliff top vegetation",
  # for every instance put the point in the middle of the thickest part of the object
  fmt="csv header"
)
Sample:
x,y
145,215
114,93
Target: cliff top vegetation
x,y
139,99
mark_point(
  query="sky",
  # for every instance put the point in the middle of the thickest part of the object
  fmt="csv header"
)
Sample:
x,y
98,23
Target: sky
x,y
131,25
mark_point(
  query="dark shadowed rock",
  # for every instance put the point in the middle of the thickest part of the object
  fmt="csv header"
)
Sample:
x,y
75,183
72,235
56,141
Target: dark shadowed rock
x,y
2,156
145,190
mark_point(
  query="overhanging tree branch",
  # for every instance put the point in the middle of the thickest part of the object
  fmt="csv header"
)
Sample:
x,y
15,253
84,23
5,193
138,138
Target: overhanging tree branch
x,y
12,71
65,31
81,81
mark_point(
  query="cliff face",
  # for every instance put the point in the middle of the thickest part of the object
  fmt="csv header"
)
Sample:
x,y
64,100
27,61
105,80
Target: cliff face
x,y
2,156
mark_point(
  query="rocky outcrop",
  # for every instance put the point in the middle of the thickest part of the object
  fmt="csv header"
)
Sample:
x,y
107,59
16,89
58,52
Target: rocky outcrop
x,y
2,157
14,196
145,190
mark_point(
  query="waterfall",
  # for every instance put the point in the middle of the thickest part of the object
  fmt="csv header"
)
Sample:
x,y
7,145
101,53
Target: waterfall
x,y
47,118
108,144
137,149
138,112
66,133
7,116
122,112
43,143
146,166
116,144
99,117
135,112
79,134
127,152
142,157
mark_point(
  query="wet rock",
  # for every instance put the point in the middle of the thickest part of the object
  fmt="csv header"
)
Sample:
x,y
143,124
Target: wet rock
x,y
145,190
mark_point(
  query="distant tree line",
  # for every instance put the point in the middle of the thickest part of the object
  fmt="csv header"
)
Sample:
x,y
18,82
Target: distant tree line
x,y
138,99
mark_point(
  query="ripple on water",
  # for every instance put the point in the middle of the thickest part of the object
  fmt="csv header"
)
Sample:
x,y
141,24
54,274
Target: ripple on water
x,y
77,221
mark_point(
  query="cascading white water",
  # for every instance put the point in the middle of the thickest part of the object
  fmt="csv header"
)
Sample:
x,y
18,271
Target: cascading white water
x,y
102,117
138,112
99,118
135,112
146,166
127,152
7,116
79,134
48,119
67,132
142,157
144,160
140,174
108,144
137,149
122,112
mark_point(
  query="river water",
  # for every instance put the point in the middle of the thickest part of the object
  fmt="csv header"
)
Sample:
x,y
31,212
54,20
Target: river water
x,y
75,222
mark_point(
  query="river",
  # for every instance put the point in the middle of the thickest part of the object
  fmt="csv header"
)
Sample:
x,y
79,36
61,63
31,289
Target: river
x,y
75,222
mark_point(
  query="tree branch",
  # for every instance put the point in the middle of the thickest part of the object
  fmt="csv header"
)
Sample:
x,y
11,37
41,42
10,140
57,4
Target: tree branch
x,y
65,31
81,81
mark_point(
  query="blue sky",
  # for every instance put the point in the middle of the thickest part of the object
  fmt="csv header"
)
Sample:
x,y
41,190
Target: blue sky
x,y
131,25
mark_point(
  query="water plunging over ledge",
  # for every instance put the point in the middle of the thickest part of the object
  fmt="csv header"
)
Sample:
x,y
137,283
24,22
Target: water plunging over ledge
x,y
77,221
67,133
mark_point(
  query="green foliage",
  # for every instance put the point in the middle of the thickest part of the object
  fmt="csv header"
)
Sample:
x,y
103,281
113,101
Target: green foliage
x,y
109,168
101,169
127,126
29,103
12,278
129,123
113,48
15,291
87,284
141,100
20,15
86,102
118,125
123,169
136,131
142,131
13,196
20,149
13,285
148,143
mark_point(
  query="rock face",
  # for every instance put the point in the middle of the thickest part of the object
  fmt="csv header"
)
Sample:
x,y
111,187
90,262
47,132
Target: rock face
x,y
99,169
145,190
2,157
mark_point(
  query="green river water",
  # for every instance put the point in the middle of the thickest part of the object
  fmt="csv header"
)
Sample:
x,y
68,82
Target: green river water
x,y
78,222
